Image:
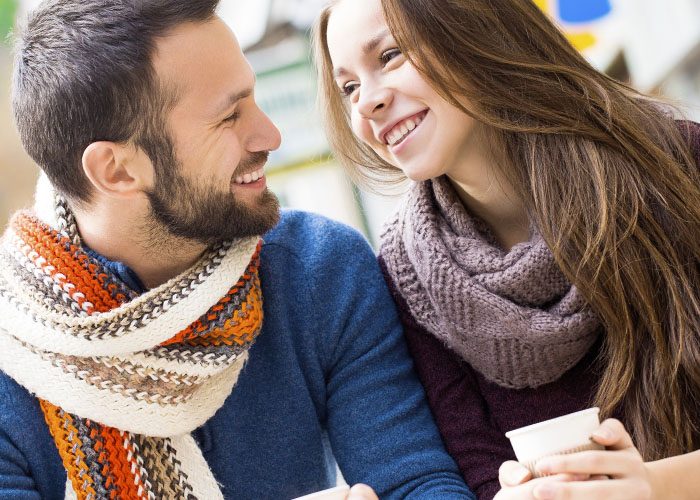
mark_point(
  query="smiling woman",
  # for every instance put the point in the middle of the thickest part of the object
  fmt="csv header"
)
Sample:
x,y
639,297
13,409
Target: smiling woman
x,y
546,257
393,109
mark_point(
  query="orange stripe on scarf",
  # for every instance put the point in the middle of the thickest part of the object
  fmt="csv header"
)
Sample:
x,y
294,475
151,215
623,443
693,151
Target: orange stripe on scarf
x,y
65,433
41,239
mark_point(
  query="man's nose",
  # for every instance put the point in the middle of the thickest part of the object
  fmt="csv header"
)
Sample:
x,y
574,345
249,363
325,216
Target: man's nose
x,y
266,136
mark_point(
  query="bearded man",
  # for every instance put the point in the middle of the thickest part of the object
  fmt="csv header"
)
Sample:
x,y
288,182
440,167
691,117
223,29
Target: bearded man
x,y
135,359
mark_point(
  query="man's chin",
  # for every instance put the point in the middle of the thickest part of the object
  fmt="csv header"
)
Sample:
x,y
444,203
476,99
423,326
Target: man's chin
x,y
269,204
260,215
214,218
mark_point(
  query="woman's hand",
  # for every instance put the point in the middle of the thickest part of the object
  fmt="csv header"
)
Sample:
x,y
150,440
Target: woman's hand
x,y
619,472
361,492
517,483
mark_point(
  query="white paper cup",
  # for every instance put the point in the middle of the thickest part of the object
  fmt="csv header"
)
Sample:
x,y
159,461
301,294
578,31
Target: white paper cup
x,y
337,493
559,436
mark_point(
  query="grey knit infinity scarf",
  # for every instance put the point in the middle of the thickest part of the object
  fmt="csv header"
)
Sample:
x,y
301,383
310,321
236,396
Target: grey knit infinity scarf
x,y
512,316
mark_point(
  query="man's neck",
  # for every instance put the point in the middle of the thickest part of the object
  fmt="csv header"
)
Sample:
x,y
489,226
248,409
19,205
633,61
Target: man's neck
x,y
154,255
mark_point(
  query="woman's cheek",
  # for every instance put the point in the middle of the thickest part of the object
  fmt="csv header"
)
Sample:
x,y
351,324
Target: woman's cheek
x,y
360,127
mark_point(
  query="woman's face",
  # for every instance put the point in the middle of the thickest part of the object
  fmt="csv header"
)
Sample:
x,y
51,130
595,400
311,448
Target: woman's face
x,y
393,108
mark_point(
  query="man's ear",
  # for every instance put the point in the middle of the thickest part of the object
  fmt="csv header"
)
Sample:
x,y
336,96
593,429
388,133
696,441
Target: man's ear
x,y
116,169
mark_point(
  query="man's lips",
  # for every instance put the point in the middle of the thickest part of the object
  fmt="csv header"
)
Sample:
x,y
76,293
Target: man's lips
x,y
251,169
249,177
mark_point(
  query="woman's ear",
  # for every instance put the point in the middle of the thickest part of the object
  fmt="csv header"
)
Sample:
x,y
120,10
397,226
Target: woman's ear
x,y
115,169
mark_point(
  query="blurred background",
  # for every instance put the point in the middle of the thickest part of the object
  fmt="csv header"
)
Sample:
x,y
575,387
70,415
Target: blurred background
x,y
652,44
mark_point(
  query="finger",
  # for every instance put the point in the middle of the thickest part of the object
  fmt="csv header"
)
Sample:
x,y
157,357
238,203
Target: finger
x,y
610,490
362,492
610,463
513,473
612,434
524,491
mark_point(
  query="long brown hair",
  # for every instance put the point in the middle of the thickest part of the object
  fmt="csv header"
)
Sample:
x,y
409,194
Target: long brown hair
x,y
606,173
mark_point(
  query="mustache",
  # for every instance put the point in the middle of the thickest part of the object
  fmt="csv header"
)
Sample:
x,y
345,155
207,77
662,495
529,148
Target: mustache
x,y
252,163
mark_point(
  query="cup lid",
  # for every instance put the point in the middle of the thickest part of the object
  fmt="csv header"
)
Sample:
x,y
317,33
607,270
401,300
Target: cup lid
x,y
546,423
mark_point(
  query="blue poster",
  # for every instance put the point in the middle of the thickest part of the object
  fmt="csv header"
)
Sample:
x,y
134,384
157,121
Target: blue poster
x,y
583,11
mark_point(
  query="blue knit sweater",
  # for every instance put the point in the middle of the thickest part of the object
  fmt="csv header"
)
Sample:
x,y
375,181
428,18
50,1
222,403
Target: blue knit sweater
x,y
329,371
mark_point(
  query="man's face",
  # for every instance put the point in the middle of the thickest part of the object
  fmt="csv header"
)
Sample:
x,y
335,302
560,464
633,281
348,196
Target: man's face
x,y
212,186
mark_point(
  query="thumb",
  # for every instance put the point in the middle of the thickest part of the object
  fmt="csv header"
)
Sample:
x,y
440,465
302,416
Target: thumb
x,y
362,492
512,474
613,435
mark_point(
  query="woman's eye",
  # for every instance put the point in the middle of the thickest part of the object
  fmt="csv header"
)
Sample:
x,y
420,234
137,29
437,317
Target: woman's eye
x,y
388,55
348,89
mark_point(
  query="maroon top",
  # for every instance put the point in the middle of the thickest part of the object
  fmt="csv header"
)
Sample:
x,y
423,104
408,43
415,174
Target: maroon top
x,y
474,414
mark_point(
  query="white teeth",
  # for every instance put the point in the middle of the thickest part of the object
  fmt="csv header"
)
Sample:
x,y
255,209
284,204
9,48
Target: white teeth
x,y
251,177
401,130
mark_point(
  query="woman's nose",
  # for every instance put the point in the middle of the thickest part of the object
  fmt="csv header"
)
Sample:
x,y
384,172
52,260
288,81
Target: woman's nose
x,y
374,101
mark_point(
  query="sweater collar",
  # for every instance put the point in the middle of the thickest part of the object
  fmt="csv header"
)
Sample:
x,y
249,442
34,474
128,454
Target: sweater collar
x,y
513,316
120,270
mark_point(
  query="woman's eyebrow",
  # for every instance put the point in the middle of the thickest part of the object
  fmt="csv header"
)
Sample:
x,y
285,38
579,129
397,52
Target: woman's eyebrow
x,y
372,43
367,48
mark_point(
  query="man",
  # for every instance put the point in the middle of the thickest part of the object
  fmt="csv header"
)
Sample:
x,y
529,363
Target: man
x,y
132,298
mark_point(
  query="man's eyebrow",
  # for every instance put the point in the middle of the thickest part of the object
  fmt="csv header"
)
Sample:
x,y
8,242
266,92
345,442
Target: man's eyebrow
x,y
367,48
232,99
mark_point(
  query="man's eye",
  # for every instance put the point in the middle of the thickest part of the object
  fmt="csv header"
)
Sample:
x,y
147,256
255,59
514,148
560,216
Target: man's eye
x,y
232,117
348,89
388,55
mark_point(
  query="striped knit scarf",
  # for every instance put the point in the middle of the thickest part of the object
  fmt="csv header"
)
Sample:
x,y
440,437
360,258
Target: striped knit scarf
x,y
123,379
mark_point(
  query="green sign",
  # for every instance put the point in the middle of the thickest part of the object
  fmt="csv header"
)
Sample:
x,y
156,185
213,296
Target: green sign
x,y
8,9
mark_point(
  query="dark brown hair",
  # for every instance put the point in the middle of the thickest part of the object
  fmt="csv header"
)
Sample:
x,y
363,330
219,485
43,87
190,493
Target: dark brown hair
x,y
605,172
83,73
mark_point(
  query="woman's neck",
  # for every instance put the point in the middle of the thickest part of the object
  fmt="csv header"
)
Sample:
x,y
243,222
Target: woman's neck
x,y
488,196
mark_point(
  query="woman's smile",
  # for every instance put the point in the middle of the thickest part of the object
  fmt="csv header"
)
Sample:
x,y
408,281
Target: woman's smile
x,y
398,133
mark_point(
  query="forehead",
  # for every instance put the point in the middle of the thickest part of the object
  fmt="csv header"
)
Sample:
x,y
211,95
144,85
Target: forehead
x,y
203,61
351,23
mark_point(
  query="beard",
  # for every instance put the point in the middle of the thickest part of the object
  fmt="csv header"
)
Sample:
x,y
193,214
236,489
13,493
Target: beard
x,y
201,212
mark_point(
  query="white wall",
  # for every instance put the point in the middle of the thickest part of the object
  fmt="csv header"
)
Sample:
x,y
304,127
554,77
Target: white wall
x,y
657,36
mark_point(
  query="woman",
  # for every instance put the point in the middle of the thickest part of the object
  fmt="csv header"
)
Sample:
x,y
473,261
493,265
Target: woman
x,y
547,256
